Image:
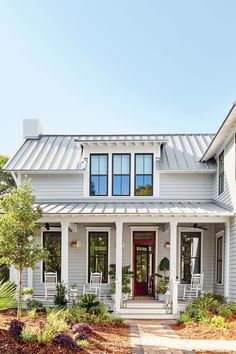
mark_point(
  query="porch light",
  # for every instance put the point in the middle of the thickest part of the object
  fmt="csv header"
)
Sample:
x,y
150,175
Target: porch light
x,y
75,244
167,244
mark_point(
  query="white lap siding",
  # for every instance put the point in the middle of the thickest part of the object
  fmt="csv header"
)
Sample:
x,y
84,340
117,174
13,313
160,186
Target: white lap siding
x,y
232,260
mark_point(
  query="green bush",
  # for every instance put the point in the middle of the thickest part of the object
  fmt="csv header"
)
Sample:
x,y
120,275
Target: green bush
x,y
60,297
29,333
32,313
218,322
184,318
77,313
89,302
225,311
35,304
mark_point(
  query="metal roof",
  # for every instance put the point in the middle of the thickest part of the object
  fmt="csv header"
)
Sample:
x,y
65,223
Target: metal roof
x,y
63,152
157,208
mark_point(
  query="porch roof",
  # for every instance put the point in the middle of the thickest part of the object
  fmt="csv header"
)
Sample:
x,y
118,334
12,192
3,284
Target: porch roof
x,y
124,208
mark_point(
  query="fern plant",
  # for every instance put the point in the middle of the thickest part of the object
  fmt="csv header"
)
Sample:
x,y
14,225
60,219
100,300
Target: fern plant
x,y
7,295
89,302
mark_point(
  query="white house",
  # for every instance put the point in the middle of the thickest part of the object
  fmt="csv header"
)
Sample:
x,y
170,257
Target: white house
x,y
132,200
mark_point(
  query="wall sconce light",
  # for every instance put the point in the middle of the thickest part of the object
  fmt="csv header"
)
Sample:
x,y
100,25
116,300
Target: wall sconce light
x,y
167,244
75,244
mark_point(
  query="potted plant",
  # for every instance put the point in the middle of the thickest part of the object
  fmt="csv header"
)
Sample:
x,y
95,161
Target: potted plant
x,y
126,278
163,283
27,293
73,293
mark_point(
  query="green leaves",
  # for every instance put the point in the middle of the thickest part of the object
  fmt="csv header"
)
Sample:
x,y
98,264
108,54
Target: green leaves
x,y
7,295
7,182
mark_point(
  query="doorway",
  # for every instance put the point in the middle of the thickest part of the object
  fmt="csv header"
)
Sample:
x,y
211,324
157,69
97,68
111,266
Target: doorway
x,y
144,262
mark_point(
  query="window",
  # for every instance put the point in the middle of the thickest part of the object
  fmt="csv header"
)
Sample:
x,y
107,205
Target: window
x,y
98,254
121,174
190,255
52,243
99,174
219,260
143,174
221,173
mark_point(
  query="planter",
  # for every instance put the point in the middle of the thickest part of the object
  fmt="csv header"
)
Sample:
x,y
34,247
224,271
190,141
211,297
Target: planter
x,y
161,297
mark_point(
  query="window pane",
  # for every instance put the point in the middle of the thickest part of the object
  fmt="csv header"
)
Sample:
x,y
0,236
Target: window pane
x,y
125,165
116,185
94,164
102,185
139,164
125,185
117,164
103,165
148,164
190,255
52,242
98,254
94,187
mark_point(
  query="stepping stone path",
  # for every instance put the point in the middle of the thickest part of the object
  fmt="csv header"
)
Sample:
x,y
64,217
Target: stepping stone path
x,y
157,337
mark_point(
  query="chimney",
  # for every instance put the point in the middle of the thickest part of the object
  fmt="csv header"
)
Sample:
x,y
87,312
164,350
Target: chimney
x,y
31,128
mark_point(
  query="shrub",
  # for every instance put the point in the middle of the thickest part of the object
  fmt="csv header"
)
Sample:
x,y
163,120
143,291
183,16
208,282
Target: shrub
x,y
29,333
27,291
217,321
32,313
64,340
57,321
82,331
184,318
77,313
15,329
35,304
225,311
60,297
89,302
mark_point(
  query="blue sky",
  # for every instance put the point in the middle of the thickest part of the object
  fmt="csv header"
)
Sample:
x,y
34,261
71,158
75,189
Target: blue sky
x,y
115,66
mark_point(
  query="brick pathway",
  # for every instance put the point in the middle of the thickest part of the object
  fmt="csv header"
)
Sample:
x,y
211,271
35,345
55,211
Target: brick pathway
x,y
157,337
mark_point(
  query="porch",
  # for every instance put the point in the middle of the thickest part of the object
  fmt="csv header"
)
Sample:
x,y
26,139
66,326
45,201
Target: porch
x,y
154,235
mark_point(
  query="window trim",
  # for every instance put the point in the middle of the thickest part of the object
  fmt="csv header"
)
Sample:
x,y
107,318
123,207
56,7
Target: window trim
x,y
97,229
114,174
90,175
220,175
41,262
190,229
218,235
138,154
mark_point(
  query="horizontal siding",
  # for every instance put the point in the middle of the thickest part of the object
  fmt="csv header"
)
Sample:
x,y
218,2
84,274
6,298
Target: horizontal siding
x,y
186,186
57,186
232,260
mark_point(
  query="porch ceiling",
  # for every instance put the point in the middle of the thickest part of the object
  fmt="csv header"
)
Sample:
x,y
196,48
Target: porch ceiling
x,y
134,208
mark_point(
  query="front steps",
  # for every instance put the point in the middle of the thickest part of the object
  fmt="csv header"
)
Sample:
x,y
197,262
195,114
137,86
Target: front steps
x,y
146,310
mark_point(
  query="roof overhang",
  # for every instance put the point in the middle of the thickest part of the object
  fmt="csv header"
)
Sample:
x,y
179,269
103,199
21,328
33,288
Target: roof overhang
x,y
223,133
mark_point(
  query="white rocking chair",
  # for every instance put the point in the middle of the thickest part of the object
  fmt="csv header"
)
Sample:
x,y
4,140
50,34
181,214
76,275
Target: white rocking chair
x,y
50,282
95,285
193,290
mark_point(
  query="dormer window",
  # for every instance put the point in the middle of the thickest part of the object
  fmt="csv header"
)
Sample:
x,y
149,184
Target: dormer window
x,y
99,174
121,174
143,174
221,174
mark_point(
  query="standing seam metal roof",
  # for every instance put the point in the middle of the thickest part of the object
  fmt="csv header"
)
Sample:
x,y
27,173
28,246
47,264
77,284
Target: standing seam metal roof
x,y
63,153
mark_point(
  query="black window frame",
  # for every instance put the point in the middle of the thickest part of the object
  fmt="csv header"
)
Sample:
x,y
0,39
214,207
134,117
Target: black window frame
x,y
43,262
219,261
221,174
120,174
144,174
104,274
91,175
188,234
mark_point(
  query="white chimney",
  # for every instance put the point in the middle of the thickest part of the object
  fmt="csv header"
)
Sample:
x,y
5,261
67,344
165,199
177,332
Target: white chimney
x,y
31,128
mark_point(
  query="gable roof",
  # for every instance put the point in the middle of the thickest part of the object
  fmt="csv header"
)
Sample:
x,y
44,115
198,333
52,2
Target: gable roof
x,y
222,134
63,152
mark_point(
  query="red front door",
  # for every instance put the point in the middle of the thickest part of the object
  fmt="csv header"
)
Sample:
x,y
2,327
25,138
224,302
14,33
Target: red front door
x,y
143,267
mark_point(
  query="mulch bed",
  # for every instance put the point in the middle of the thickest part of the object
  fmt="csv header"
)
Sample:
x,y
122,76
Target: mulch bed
x,y
202,331
106,338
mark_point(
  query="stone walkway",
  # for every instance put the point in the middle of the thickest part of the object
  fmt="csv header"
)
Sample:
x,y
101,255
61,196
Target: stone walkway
x,y
157,337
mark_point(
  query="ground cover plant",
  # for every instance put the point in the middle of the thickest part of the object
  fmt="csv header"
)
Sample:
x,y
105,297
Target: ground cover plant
x,y
88,329
209,316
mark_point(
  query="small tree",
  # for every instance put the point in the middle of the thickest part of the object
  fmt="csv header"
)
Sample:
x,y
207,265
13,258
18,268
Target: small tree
x,y
7,182
18,228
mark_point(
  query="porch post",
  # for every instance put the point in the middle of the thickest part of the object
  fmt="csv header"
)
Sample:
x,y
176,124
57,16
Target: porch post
x,y
30,277
226,256
64,251
173,265
118,295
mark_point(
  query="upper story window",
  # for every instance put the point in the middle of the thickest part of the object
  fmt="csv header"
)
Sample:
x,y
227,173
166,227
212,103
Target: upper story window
x,y
221,171
121,174
143,174
98,174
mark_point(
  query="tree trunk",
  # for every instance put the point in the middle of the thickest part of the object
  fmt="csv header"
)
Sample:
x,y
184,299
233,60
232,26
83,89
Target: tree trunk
x,y
20,295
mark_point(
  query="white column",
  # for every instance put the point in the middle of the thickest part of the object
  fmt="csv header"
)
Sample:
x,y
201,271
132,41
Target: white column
x,y
64,251
173,249
14,275
226,259
30,274
119,235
